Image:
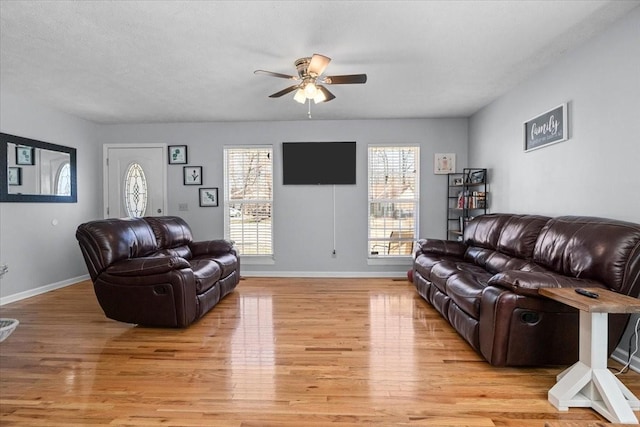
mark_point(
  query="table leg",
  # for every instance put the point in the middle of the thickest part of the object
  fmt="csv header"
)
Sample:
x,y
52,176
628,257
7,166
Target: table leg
x,y
588,383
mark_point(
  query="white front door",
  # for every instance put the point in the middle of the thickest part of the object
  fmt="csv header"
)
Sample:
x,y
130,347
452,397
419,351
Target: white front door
x,y
152,160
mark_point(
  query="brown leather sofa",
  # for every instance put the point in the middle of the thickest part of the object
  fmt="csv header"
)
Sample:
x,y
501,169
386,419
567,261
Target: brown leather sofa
x,y
149,271
486,286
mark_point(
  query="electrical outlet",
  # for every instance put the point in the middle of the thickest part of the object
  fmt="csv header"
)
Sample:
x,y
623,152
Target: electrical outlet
x,y
183,207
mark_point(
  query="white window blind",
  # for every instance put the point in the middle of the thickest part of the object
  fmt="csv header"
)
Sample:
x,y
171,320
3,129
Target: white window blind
x,y
248,196
394,198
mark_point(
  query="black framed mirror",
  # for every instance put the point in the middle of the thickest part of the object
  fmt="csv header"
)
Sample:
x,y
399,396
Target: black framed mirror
x,y
36,171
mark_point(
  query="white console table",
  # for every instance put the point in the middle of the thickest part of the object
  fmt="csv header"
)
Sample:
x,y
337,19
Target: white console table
x,y
588,383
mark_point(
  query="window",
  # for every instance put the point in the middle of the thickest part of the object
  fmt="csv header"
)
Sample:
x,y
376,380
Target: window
x,y
63,180
135,191
248,196
394,198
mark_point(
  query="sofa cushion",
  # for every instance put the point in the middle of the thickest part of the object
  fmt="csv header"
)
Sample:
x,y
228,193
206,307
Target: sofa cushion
x,y
424,263
592,248
110,240
206,273
170,231
228,263
500,262
181,251
443,271
484,231
465,290
519,235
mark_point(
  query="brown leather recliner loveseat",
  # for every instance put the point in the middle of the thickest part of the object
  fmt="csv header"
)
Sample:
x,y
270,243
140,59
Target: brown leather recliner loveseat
x,y
486,286
149,271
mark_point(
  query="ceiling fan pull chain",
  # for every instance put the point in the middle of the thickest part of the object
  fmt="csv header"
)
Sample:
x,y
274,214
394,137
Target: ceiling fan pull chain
x,y
309,113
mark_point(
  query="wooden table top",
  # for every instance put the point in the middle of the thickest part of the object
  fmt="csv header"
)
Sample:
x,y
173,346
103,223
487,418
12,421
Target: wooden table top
x,y
607,302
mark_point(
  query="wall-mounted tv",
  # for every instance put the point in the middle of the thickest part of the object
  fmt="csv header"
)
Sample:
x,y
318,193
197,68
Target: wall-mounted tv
x,y
313,163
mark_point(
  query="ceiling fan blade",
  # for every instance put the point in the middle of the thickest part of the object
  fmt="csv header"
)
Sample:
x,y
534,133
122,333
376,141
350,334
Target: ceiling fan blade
x,y
318,64
347,79
328,96
271,73
284,91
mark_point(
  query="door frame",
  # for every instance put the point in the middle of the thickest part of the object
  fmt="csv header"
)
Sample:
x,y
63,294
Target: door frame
x,y
105,178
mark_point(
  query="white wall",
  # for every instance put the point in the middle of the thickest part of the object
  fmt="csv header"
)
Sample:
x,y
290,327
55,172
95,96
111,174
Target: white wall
x,y
303,215
595,172
40,255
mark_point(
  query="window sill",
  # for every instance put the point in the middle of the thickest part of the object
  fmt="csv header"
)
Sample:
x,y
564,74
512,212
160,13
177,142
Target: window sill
x,y
257,260
391,260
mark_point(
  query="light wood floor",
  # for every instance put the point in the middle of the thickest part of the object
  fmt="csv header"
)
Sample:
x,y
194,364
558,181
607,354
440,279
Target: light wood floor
x,y
276,352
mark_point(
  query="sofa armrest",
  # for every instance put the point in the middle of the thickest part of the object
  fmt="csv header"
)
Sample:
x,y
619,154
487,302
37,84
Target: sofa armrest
x,y
147,266
212,247
441,247
528,282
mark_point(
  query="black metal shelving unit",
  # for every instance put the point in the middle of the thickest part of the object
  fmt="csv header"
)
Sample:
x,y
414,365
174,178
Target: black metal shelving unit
x,y
466,198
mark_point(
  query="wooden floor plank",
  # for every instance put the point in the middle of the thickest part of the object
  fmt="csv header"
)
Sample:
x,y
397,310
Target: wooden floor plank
x,y
276,352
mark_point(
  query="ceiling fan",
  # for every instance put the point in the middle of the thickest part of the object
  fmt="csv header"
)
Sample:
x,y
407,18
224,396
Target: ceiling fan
x,y
311,81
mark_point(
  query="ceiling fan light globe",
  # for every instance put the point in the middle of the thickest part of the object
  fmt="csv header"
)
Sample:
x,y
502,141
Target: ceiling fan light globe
x,y
300,96
310,90
320,97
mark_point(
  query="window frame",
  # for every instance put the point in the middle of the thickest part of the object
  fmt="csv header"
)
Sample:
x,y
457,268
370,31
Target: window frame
x,y
247,258
394,259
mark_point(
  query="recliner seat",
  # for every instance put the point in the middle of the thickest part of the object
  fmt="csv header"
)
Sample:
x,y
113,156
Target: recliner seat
x,y
149,271
487,285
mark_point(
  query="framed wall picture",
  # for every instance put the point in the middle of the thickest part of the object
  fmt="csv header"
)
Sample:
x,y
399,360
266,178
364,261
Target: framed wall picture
x,y
192,175
208,197
444,163
14,176
24,155
548,128
178,155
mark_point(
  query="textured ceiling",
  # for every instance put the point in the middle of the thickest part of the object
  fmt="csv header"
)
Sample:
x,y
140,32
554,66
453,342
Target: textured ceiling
x,y
191,61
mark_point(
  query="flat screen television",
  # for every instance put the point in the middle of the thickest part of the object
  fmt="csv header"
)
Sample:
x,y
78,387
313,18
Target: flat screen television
x,y
318,163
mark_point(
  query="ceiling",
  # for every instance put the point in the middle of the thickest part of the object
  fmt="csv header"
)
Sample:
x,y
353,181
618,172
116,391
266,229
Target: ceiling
x,y
193,61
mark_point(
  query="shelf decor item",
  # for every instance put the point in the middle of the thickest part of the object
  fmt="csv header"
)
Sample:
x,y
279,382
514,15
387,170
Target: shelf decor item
x,y
477,177
548,128
178,155
208,197
192,175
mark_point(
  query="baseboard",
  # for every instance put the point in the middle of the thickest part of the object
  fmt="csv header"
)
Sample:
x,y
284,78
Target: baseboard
x,y
326,274
41,290
53,286
622,356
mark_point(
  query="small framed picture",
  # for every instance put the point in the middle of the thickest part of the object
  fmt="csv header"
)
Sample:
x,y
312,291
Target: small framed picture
x,y
477,177
192,175
15,176
444,163
208,197
178,155
24,155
